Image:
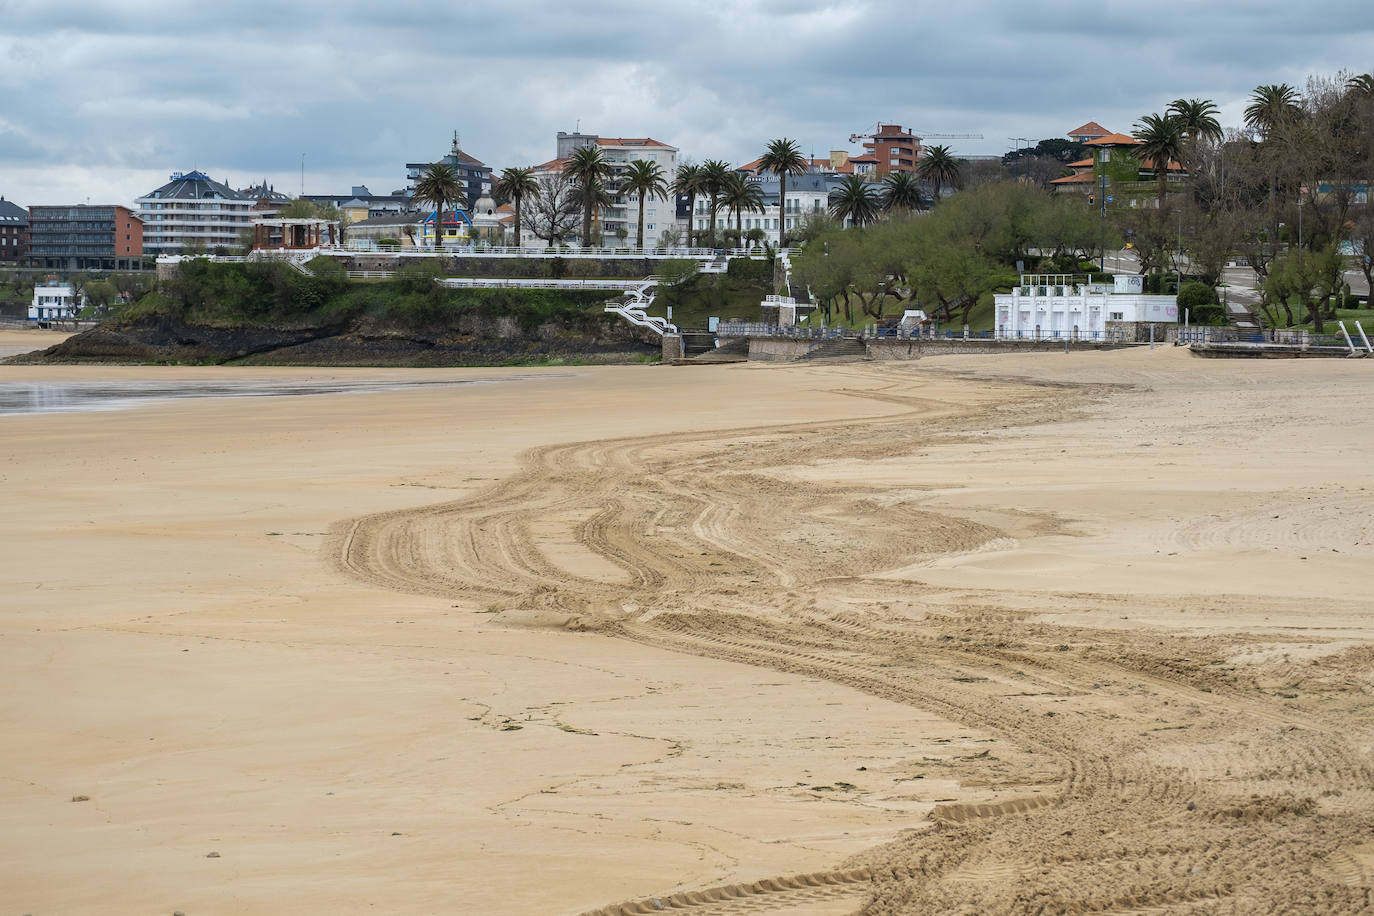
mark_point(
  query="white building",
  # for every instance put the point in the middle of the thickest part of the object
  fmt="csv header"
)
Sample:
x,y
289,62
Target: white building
x,y
193,212
660,213
807,195
53,302
1054,306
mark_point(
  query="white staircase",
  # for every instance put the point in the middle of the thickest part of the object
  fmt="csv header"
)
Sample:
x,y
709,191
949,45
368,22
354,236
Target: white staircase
x,y
633,309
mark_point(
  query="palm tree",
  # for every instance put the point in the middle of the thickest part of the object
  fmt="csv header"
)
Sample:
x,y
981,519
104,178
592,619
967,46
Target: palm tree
x,y
1198,117
515,185
901,191
647,180
1362,85
940,168
742,196
590,198
439,185
1271,107
1161,140
688,182
855,200
783,158
588,169
714,174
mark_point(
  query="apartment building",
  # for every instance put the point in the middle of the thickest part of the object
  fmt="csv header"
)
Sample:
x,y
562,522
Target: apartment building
x,y
85,237
14,232
893,148
660,213
192,212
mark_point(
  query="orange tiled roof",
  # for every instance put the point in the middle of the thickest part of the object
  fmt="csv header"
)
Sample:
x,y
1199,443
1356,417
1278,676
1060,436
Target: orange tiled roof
x,y
1113,140
866,157
1080,164
553,165
1172,167
629,141
1080,178
1092,128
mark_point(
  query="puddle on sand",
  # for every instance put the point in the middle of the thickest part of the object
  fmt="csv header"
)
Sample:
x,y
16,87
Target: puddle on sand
x,y
68,397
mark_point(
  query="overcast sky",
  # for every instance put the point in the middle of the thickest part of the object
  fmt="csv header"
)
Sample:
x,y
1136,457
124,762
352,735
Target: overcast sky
x,y
102,100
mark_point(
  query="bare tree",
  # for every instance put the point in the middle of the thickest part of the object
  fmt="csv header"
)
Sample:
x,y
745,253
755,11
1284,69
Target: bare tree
x,y
555,211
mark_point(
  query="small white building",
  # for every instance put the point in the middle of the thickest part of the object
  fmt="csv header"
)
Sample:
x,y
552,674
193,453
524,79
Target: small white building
x,y
53,302
1055,306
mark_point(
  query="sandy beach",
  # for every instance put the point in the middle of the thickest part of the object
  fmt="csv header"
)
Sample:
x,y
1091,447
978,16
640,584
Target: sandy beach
x,y
1043,633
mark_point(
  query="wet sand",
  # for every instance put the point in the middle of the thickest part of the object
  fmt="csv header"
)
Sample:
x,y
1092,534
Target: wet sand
x,y
542,647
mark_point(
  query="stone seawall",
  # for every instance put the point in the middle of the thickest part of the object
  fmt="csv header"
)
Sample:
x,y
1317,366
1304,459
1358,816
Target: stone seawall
x,y
779,348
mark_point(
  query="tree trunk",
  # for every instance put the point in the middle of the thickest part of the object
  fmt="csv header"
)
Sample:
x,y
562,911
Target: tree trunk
x,y
782,210
439,227
587,224
517,220
691,216
641,222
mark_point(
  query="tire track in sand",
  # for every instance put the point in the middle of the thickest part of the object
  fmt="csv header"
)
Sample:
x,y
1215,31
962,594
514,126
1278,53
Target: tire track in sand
x,y
726,561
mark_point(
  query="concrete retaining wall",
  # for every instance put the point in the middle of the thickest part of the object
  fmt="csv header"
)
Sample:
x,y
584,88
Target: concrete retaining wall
x,y
672,347
779,348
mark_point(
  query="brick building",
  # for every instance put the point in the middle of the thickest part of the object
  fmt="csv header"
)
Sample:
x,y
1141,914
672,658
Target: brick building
x,y
85,237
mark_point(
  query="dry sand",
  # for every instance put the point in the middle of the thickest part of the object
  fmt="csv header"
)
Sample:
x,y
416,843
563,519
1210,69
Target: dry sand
x,y
1051,633
24,340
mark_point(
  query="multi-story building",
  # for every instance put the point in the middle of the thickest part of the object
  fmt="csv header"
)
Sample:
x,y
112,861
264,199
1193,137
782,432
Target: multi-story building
x,y
192,212
660,213
267,200
53,301
473,174
807,196
893,149
359,198
14,231
85,237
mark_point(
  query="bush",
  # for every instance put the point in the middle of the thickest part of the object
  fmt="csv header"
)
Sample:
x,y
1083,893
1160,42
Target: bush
x,y
1195,295
750,270
1207,314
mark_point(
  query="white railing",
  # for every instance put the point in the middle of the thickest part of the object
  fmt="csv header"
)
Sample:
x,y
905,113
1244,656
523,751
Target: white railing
x,y
371,274
509,252
536,283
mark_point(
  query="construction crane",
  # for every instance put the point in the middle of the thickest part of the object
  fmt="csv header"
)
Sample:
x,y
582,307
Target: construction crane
x,y
916,134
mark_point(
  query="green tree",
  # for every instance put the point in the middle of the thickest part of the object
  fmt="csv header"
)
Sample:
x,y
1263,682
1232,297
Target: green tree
x,y
516,185
439,186
646,179
901,192
689,183
940,168
855,200
1161,142
783,158
741,196
1272,107
589,172
1198,118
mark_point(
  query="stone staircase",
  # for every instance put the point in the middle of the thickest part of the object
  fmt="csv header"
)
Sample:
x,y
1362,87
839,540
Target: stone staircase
x,y
838,348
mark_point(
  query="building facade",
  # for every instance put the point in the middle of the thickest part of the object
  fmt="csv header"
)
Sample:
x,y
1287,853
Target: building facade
x,y
893,148
808,196
192,212
14,232
622,216
1056,307
53,302
85,237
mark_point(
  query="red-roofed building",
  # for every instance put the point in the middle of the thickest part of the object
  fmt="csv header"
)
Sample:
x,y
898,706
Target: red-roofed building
x,y
892,148
1090,131
618,224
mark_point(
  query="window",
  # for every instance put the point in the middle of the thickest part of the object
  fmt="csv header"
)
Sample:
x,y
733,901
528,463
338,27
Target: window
x,y
1117,316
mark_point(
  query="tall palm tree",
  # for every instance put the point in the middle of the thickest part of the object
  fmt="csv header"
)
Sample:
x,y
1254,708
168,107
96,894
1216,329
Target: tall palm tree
x,y
714,174
439,185
1161,140
688,182
1198,117
1362,85
646,179
741,196
516,184
901,191
1271,107
855,200
590,198
940,168
783,157
588,169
